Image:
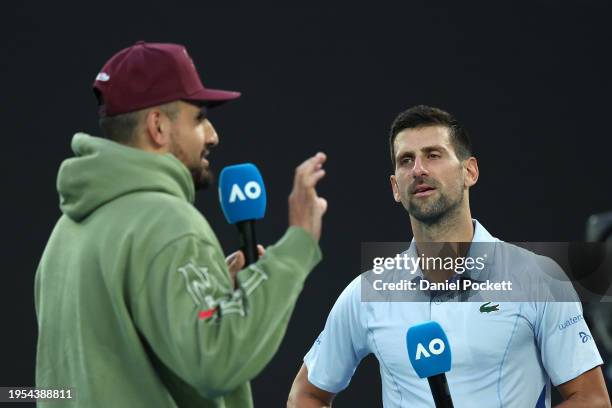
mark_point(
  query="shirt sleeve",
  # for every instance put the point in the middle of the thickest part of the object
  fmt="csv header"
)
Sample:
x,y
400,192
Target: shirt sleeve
x,y
211,336
566,344
342,344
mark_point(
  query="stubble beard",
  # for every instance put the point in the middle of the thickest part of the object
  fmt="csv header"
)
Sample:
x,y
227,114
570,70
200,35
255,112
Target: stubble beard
x,y
202,176
430,210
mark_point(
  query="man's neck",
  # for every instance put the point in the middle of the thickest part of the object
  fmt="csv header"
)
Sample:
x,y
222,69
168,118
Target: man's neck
x,y
456,227
450,237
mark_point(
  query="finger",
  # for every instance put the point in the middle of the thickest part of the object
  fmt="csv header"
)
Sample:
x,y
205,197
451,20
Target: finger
x,y
260,250
239,262
311,164
322,203
231,258
312,179
313,161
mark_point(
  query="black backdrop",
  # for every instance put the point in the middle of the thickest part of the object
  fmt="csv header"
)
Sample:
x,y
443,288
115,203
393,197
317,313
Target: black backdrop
x,y
530,80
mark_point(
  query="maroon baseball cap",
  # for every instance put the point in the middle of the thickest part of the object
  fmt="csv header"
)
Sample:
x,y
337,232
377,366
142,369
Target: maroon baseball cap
x,y
150,74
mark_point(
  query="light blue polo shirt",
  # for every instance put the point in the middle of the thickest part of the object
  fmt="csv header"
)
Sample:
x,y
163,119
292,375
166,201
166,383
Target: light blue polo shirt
x,y
505,358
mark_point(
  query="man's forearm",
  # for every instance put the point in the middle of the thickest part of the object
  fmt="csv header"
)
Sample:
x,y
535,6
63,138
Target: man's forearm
x,y
306,401
581,401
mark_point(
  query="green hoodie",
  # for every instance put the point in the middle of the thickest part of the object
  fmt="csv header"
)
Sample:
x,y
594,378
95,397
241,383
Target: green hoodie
x,y
135,305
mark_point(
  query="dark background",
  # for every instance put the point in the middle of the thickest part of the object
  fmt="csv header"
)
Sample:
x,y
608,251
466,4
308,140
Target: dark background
x,y
529,79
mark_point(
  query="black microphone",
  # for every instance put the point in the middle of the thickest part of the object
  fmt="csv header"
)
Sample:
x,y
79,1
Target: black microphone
x,y
430,355
243,199
248,241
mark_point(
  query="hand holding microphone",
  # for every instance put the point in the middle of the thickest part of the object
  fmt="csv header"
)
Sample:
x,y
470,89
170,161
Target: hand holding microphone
x,y
306,208
236,261
242,194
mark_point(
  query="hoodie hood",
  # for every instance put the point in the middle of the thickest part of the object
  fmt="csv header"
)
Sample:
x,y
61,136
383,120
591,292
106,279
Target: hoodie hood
x,y
104,170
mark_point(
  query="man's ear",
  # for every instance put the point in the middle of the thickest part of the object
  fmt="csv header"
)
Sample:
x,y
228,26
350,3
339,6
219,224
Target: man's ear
x,y
471,171
157,128
394,188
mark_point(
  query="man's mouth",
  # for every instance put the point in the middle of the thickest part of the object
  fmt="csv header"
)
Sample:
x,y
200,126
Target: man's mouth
x,y
423,190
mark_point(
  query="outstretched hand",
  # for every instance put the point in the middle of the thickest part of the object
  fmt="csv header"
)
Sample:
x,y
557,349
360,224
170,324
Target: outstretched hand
x,y
306,208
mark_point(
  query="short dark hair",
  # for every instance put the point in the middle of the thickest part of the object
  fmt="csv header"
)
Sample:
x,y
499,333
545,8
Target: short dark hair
x,y
422,116
122,128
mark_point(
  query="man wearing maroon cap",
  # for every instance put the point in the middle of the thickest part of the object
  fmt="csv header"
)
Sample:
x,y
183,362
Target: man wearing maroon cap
x,y
135,302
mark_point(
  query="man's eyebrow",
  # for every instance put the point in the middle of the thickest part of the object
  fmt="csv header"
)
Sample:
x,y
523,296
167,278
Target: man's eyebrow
x,y
426,149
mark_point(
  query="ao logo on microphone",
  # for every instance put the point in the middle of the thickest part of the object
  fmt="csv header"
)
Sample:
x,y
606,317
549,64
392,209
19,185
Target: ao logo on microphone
x,y
436,347
428,349
242,193
251,190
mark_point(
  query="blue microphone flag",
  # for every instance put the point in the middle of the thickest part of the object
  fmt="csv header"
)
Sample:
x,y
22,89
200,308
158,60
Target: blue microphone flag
x,y
242,193
428,349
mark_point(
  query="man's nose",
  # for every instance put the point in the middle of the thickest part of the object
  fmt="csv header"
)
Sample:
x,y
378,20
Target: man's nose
x,y
419,168
210,134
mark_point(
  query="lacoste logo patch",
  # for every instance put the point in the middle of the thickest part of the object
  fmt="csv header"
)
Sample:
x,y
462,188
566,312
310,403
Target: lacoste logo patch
x,y
488,309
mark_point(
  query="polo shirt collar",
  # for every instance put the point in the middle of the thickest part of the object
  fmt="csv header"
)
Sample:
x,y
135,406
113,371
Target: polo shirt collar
x,y
483,246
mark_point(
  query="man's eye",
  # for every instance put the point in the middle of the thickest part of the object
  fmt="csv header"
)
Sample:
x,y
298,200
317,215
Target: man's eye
x,y
202,115
406,160
434,155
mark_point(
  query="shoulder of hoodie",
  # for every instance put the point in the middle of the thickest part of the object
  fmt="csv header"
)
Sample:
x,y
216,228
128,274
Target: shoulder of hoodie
x,y
169,216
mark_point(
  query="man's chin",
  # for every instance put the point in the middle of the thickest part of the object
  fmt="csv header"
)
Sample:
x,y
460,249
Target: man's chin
x,y
203,179
432,212
427,214
427,217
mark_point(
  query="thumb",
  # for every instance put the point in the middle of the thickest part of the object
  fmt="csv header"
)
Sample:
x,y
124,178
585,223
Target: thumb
x,y
235,261
322,204
238,261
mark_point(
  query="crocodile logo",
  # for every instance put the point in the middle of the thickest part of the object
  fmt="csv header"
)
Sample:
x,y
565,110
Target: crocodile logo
x,y
488,309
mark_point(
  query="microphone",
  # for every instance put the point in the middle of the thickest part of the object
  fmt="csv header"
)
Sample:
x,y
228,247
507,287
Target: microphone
x,y
243,200
430,356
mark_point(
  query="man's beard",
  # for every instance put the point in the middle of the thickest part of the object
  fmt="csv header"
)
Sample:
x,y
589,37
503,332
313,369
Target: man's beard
x,y
202,176
431,210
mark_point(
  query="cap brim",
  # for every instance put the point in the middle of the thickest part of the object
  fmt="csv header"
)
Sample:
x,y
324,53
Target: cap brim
x,y
213,97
